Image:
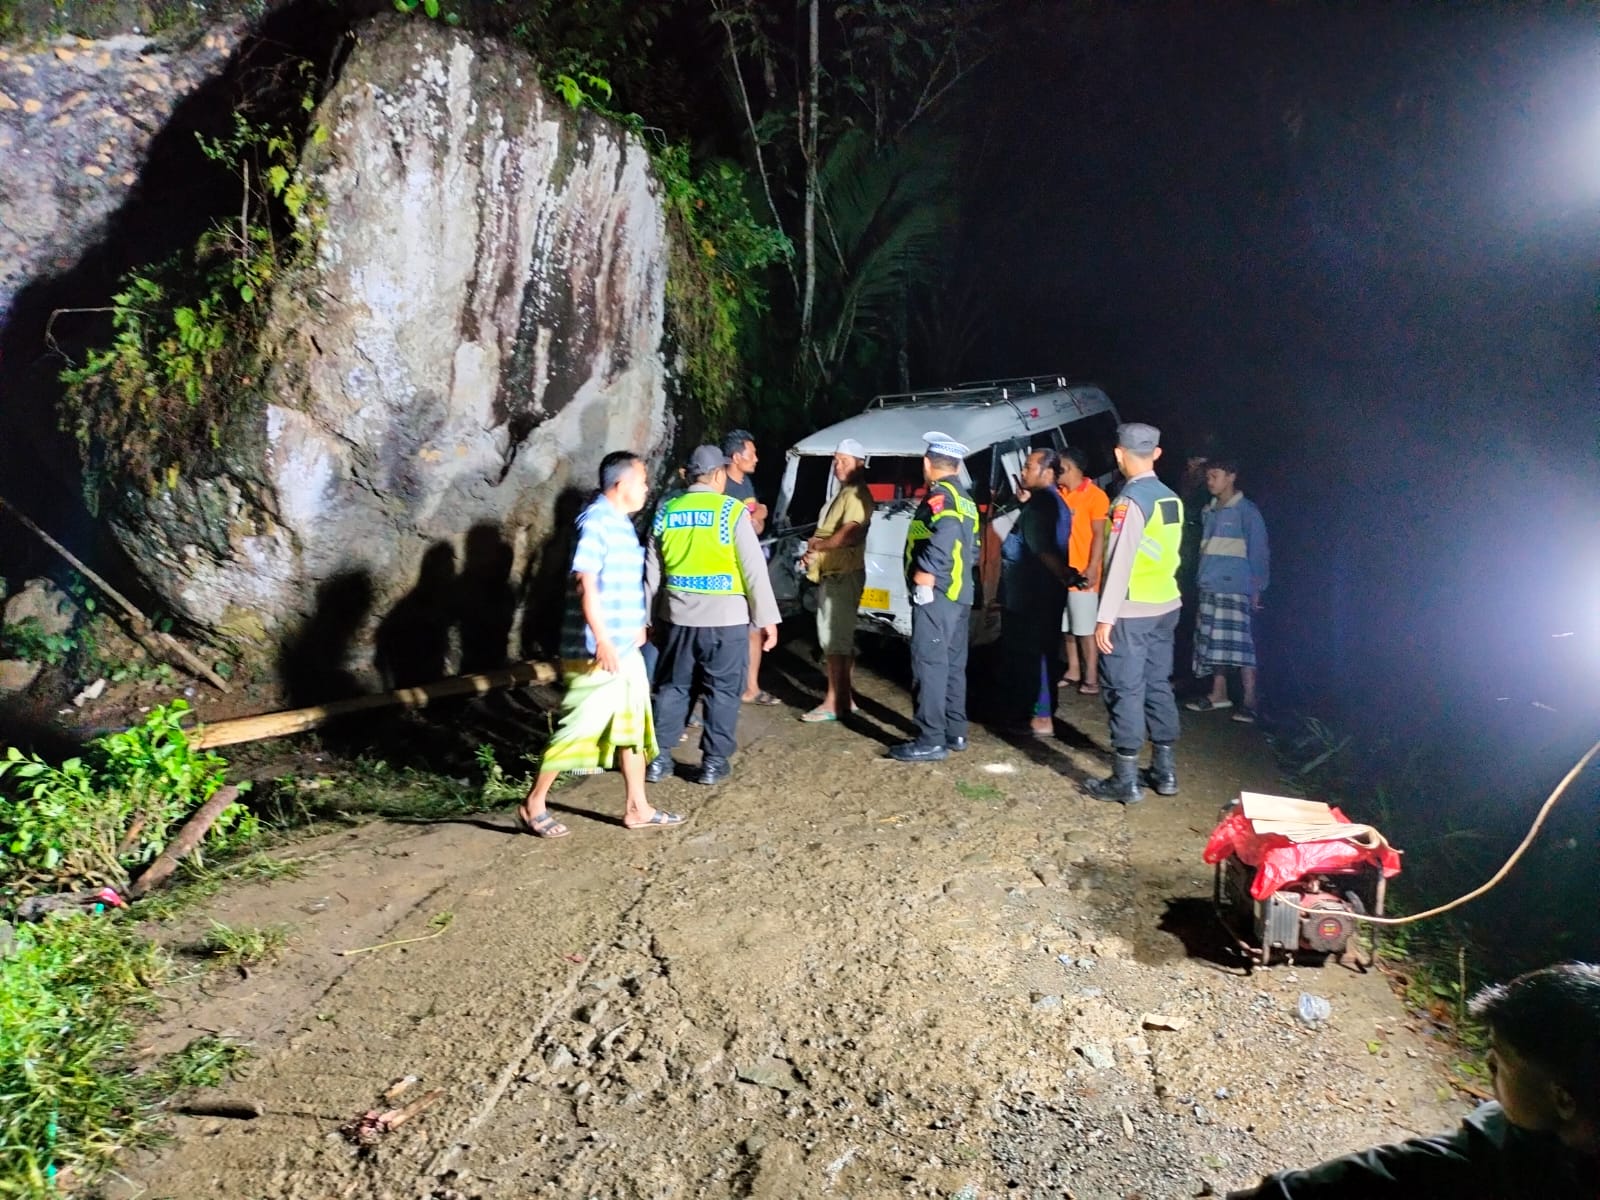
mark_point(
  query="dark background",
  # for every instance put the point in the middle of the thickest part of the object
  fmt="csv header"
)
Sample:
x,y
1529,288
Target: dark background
x,y
1358,246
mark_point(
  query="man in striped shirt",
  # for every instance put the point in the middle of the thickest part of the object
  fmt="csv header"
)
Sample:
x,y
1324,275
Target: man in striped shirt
x,y
606,718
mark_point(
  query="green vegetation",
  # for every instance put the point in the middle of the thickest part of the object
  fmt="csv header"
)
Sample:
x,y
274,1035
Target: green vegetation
x,y
981,790
91,819
71,987
182,370
68,1098
204,1063
716,294
227,946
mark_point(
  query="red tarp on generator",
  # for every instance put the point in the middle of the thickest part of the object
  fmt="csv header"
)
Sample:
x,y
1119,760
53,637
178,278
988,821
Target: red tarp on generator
x,y
1279,861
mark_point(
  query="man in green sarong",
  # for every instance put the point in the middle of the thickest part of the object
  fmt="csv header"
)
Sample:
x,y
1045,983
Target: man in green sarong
x,y
606,717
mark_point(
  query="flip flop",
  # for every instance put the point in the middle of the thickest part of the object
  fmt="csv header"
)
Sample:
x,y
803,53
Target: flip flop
x,y
1088,689
765,699
661,819
818,715
544,826
1068,681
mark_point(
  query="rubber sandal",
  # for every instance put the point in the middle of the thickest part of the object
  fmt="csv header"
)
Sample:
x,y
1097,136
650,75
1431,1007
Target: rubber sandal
x,y
661,819
542,826
765,699
1207,704
1088,689
818,715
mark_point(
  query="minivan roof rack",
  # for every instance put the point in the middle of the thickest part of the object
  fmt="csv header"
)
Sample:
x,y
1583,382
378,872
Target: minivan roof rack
x,y
984,393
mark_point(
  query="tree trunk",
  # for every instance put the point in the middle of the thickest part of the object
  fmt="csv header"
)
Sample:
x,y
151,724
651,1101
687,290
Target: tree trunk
x,y
810,231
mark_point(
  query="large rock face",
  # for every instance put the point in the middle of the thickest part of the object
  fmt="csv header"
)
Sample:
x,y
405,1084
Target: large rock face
x,y
76,121
482,323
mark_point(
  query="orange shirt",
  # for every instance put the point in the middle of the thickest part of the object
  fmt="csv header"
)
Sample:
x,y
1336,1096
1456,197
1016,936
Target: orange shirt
x,y
1088,504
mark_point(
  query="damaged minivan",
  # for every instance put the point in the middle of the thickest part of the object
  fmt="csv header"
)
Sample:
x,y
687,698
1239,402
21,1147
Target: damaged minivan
x,y
1000,422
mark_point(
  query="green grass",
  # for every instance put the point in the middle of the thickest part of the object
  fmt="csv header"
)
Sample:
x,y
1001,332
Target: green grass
x,y
982,790
203,1063
227,946
68,1100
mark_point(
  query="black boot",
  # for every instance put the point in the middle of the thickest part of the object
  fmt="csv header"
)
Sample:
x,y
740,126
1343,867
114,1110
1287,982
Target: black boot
x,y
1122,785
713,769
1163,773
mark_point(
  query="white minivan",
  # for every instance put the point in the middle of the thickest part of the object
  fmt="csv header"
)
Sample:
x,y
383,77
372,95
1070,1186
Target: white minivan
x,y
999,421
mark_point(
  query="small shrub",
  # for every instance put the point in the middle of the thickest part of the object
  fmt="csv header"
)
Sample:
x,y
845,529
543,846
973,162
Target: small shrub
x,y
93,818
27,639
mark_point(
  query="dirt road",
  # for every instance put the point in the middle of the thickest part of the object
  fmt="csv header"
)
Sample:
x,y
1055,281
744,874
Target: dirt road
x,y
844,977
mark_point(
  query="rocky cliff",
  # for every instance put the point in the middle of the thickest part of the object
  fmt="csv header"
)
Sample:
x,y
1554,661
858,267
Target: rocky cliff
x,y
482,321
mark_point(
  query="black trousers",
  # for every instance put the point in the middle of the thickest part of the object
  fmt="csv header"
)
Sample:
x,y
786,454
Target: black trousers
x,y
1031,638
710,660
1136,680
939,669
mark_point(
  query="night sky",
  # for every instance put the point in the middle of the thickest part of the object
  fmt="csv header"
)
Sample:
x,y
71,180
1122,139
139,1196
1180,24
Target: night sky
x,y
1360,246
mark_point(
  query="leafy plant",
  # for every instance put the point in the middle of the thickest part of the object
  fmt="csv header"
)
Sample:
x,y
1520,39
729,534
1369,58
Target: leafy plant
x,y
92,818
181,364
27,639
717,258
430,8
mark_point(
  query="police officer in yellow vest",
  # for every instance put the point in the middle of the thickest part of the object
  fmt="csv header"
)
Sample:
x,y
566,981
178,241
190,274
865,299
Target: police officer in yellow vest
x,y
705,556
941,555
1139,605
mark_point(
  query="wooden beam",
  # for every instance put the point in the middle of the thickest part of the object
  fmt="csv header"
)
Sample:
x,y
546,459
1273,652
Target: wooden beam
x,y
298,720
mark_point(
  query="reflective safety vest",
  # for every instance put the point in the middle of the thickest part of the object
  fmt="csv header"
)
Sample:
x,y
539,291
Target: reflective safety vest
x,y
694,536
1155,566
957,506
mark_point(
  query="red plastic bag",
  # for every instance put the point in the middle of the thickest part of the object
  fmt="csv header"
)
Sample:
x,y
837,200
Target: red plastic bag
x,y
1279,862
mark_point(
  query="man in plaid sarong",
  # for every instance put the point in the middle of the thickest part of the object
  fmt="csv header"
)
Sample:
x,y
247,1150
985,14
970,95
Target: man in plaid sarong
x,y
1233,574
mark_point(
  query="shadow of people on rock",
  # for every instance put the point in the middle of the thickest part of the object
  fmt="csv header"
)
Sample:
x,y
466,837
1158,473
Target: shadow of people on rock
x,y
313,663
412,645
545,586
486,604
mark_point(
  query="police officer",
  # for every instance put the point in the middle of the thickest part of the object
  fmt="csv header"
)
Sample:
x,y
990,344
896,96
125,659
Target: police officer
x,y
705,554
941,554
1139,606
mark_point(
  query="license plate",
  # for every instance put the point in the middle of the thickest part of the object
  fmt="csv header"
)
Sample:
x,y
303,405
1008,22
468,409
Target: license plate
x,y
875,598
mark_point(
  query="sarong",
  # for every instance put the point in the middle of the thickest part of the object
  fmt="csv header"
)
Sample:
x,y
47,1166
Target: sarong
x,y
1222,633
602,713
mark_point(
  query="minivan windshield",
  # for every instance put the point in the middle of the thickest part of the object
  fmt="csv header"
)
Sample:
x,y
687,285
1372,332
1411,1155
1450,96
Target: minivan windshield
x,y
888,477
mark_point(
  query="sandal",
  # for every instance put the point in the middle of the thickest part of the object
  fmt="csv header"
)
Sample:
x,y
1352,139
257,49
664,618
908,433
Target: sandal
x,y
1207,704
765,699
1088,689
660,819
818,715
1069,681
544,826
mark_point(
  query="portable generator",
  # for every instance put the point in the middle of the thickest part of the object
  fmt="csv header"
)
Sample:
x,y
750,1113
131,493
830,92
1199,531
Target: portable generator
x,y
1295,877
1266,930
